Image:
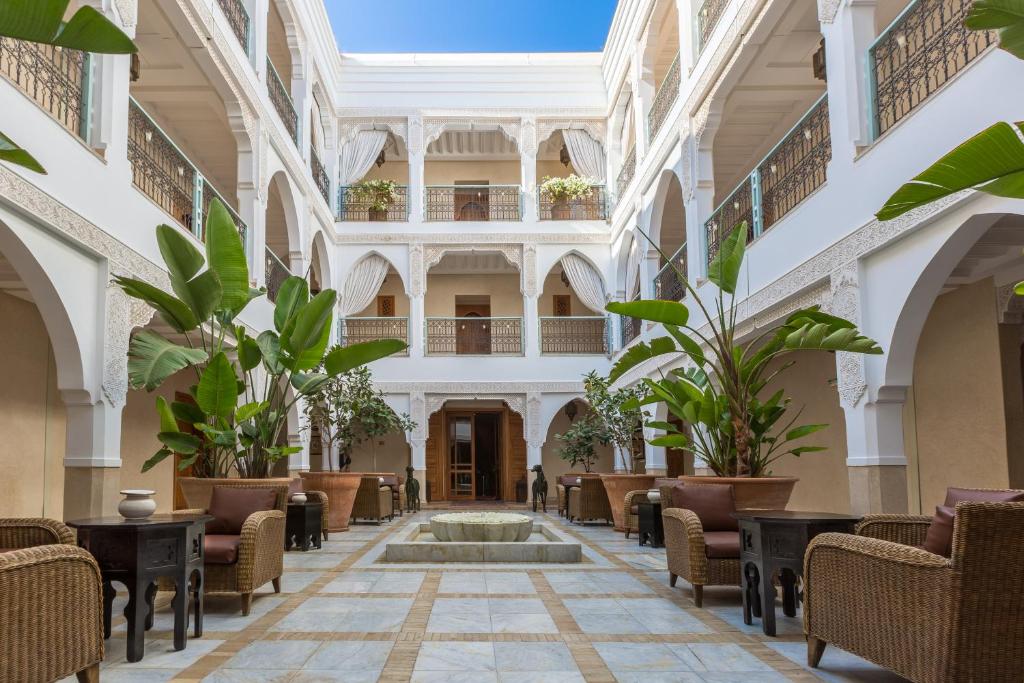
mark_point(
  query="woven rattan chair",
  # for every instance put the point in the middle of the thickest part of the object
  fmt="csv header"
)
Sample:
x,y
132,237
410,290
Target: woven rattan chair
x,y
260,551
686,555
373,501
926,617
51,604
588,502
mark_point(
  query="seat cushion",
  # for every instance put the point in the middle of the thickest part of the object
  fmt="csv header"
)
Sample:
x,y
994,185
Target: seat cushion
x,y
712,503
634,509
232,505
956,495
939,539
722,545
221,548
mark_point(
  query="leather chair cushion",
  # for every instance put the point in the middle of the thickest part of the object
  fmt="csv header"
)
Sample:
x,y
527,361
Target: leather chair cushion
x,y
939,539
221,548
955,495
232,505
722,545
634,509
712,503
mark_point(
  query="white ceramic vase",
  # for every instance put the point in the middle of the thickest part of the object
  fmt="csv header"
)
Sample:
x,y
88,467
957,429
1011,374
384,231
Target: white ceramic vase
x,y
137,504
298,497
654,496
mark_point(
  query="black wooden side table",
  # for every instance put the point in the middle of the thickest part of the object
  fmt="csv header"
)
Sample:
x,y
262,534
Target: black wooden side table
x,y
774,542
652,530
302,526
137,552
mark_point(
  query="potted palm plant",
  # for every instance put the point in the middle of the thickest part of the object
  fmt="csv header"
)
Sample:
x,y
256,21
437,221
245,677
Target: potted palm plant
x,y
377,196
738,432
562,191
230,421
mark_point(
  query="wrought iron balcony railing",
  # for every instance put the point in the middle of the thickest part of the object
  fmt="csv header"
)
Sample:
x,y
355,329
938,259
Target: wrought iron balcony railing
x,y
629,327
473,203
666,283
474,336
792,170
276,273
282,102
238,17
356,330
626,172
356,206
707,18
917,54
323,183
668,93
576,335
592,208
162,172
57,79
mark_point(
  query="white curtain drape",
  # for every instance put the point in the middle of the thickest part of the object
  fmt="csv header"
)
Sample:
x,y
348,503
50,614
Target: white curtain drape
x,y
586,154
633,271
358,154
585,281
362,284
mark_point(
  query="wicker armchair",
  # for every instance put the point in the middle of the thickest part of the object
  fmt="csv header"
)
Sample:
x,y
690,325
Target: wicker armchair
x,y
630,512
924,616
51,599
373,501
260,551
588,501
687,556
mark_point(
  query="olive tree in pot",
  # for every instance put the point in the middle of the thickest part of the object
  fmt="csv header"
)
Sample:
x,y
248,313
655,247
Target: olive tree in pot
x,y
738,432
579,442
377,196
231,421
348,410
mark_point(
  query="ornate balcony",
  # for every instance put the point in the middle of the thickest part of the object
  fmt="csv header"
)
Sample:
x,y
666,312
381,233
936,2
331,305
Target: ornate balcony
x,y
357,330
666,283
576,335
357,206
917,54
282,102
592,208
238,17
707,18
473,203
57,79
626,172
474,336
667,94
323,183
629,327
795,168
276,273
162,172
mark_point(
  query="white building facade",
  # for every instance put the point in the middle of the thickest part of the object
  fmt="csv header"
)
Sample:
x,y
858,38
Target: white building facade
x,y
799,117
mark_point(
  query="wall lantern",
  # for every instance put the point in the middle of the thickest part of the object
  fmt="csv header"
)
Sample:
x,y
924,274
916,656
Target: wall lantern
x,y
563,155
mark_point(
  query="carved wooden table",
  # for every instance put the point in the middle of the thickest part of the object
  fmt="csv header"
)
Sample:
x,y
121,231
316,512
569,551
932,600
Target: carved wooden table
x,y
652,530
773,542
302,526
137,552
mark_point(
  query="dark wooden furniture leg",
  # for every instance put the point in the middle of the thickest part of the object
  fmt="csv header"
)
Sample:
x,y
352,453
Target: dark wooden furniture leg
x,y
90,675
787,577
136,612
749,577
150,605
180,605
108,606
767,601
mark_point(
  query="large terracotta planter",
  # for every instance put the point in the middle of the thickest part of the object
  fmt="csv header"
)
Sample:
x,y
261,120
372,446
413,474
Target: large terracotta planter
x,y
197,491
340,488
753,493
617,486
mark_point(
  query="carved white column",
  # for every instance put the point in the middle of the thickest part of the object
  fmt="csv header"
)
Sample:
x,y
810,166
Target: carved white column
x,y
531,318
528,167
418,440
258,21
302,99
417,292
417,151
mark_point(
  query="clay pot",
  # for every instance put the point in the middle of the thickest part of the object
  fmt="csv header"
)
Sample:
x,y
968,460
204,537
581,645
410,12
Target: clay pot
x,y
617,486
340,488
137,504
753,493
197,491
378,215
561,211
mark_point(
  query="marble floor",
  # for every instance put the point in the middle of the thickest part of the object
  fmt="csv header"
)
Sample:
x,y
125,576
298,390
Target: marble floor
x,y
344,615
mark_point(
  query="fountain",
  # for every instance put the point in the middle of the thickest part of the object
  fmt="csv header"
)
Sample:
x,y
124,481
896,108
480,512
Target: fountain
x,y
481,527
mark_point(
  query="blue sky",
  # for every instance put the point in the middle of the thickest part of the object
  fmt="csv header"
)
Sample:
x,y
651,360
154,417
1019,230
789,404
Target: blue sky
x,y
470,25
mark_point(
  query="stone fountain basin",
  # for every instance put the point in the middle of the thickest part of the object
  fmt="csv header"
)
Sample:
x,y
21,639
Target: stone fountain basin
x,y
481,527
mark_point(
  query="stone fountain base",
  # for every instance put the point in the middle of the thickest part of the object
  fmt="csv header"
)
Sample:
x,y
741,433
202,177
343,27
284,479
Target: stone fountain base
x,y
419,544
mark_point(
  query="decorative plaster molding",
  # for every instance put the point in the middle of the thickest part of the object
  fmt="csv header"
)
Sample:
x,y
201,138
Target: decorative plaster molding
x,y
128,11
595,128
515,402
529,270
434,127
470,114
827,10
415,139
533,415
845,303
123,314
469,390
477,238
528,137
1009,306
417,273
433,253
348,128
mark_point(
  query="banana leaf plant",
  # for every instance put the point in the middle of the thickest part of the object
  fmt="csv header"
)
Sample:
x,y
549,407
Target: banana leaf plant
x,y
737,430
42,21
236,408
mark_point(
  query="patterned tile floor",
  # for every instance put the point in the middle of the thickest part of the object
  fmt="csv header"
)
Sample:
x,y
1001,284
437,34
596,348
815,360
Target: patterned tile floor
x,y
343,616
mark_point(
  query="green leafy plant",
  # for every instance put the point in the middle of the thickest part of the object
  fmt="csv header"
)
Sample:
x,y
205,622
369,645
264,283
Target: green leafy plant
x,y
240,400
567,189
737,431
350,410
579,442
619,415
377,194
42,21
